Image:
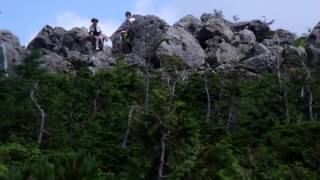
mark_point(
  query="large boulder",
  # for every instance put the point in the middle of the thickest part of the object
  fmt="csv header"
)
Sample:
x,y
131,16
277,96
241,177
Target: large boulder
x,y
77,40
189,23
212,28
227,54
260,29
313,46
222,55
48,38
259,64
244,37
11,53
181,44
147,33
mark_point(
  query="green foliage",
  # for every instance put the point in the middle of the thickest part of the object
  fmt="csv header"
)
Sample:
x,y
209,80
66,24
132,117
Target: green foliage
x,y
301,41
87,117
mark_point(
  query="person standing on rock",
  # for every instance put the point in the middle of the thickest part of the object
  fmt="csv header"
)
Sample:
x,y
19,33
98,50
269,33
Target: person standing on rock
x,y
126,26
96,34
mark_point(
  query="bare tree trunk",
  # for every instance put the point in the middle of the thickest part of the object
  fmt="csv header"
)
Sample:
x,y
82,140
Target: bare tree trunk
x,y
125,138
231,114
282,88
95,101
231,117
147,84
41,111
71,128
310,104
208,117
5,60
162,156
286,104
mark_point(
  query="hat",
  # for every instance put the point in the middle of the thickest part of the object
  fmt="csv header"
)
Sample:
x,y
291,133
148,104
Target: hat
x,y
94,20
128,13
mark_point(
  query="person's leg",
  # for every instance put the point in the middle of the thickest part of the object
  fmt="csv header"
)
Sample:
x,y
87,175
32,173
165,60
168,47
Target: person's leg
x,y
97,42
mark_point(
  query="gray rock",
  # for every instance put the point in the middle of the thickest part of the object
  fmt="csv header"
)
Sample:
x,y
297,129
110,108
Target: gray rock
x,y
77,40
285,37
53,63
48,38
313,46
259,64
209,16
102,59
8,37
148,32
134,60
227,54
212,28
11,52
260,29
293,56
189,23
244,37
59,40
180,43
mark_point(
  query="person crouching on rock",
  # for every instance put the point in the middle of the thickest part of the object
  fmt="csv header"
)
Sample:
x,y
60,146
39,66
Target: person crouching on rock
x,y
96,35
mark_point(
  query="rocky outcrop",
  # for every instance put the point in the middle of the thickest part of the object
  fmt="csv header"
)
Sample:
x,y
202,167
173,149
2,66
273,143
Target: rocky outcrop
x,y
66,51
11,53
211,42
61,41
313,46
181,44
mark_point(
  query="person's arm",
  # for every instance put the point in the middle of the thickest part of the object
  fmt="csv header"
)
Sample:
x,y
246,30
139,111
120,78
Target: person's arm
x,y
122,27
90,30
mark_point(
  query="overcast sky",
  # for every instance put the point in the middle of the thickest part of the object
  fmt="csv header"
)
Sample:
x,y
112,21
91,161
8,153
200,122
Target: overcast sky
x,y
26,18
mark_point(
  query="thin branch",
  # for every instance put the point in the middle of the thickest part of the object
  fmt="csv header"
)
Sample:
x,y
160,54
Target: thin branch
x,y
41,111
